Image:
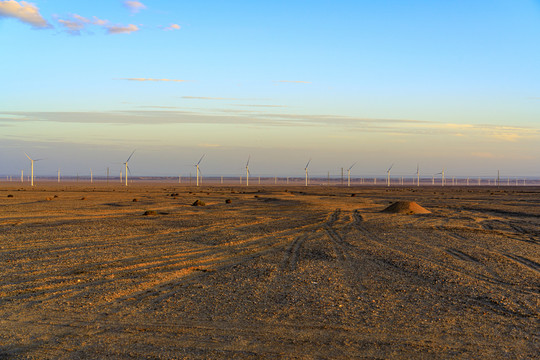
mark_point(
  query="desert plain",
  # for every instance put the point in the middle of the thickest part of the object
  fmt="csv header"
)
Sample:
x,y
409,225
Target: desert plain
x,y
276,272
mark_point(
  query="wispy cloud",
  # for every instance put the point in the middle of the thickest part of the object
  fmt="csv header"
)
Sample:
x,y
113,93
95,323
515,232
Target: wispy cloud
x,y
262,106
121,29
150,79
75,24
350,124
172,27
293,81
483,155
134,6
25,12
209,145
206,98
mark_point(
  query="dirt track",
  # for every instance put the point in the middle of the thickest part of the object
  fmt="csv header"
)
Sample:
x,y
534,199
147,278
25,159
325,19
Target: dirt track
x,y
302,273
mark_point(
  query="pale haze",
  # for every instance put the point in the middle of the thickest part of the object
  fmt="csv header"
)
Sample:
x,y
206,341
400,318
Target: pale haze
x,y
443,84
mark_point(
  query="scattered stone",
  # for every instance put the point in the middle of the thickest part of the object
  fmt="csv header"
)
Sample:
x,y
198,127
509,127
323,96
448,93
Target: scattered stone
x,y
55,196
83,198
406,207
10,195
353,195
49,198
198,203
228,201
135,200
150,213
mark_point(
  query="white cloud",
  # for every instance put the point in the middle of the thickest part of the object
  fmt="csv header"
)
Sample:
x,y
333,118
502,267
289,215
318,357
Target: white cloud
x,y
120,29
77,23
150,79
172,27
134,6
206,98
25,12
293,81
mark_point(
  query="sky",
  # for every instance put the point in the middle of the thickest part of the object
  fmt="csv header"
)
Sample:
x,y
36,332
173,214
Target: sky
x,y
441,84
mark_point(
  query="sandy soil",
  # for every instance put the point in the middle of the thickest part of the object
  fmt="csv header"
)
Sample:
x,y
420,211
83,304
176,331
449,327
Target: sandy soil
x,y
302,273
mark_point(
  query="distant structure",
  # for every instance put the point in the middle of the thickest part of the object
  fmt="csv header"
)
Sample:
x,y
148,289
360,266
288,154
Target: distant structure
x,y
32,168
127,167
388,175
197,167
306,172
247,170
349,175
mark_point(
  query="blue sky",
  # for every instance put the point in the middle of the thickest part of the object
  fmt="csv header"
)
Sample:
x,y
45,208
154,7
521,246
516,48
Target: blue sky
x,y
453,84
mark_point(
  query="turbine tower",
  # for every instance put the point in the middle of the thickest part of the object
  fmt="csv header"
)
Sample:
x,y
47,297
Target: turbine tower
x,y
127,168
197,166
417,175
349,175
247,171
32,168
305,169
442,176
388,175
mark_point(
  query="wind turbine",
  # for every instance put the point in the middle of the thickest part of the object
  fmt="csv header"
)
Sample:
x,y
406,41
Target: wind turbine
x,y
388,175
442,176
197,166
349,175
247,171
127,168
32,168
417,175
305,169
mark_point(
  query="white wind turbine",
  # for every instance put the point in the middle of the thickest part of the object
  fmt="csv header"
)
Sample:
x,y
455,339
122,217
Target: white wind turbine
x,y
127,168
32,168
388,175
349,175
247,171
417,174
305,169
197,166
442,176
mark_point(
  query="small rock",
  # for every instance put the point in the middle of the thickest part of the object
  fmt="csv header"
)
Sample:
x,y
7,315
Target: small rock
x,y
150,213
198,203
135,200
228,201
10,195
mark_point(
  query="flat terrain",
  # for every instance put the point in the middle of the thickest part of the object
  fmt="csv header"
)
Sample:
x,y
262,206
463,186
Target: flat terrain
x,y
294,272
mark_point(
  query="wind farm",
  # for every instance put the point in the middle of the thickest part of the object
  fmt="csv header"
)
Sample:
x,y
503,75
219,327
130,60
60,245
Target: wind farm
x,y
117,243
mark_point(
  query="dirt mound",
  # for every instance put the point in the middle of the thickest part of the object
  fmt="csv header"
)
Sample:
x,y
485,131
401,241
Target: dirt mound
x,y
406,207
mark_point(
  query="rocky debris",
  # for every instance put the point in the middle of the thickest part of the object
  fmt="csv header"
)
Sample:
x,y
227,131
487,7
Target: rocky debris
x,y
198,203
150,213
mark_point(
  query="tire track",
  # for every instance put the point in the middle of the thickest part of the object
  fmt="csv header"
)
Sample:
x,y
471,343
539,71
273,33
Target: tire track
x,y
529,264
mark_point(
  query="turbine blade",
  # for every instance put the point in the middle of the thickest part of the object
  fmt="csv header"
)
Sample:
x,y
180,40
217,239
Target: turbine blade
x,y
247,164
129,171
352,166
201,159
390,168
307,164
130,156
28,157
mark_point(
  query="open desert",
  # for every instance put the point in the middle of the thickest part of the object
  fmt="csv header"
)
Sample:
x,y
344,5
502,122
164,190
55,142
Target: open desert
x,y
98,272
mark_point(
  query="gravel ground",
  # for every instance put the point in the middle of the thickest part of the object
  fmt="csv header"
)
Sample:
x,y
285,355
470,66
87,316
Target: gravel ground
x,y
304,273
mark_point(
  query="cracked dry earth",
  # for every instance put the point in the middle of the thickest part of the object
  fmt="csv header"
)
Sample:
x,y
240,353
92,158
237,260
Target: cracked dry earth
x,y
298,273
